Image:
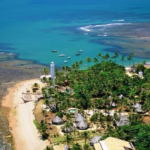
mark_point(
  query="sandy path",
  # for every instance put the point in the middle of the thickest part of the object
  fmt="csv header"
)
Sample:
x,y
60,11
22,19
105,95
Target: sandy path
x,y
21,118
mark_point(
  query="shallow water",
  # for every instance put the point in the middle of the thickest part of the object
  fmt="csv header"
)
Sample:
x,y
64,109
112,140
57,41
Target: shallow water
x,y
33,28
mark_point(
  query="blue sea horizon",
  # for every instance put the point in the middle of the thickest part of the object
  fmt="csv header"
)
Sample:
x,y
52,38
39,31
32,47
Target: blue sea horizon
x,y
34,28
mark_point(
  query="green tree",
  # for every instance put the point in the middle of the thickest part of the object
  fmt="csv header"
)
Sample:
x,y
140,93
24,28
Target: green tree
x,y
88,59
95,60
86,147
68,140
122,59
85,135
76,146
45,71
43,129
48,148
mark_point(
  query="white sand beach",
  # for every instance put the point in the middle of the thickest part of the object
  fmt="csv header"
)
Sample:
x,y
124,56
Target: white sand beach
x,y
26,136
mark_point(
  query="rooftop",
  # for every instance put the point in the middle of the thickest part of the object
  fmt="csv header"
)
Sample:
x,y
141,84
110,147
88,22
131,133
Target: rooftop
x,y
113,144
123,121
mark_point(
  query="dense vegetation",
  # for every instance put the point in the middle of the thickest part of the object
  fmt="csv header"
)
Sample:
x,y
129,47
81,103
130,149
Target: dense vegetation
x,y
99,86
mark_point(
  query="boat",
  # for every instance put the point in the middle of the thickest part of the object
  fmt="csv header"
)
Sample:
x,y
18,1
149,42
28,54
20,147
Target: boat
x,y
54,51
61,55
65,61
69,57
78,54
80,51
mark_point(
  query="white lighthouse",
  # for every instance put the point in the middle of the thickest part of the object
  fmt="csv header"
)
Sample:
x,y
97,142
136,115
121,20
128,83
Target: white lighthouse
x,y
52,71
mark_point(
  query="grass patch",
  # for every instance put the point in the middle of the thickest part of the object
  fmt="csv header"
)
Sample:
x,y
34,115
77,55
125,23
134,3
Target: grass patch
x,y
36,124
59,139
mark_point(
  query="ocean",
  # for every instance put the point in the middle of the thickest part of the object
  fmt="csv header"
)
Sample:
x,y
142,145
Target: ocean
x,y
34,28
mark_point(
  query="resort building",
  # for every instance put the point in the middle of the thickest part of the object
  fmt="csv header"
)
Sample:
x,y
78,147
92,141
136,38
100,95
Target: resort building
x,y
113,144
140,74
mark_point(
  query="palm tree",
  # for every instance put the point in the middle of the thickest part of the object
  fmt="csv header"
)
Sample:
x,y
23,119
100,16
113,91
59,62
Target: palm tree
x,y
80,63
132,55
48,148
88,59
44,114
95,60
43,129
47,102
99,55
45,71
44,79
129,58
122,59
77,65
76,146
86,147
115,56
85,135
68,140
107,56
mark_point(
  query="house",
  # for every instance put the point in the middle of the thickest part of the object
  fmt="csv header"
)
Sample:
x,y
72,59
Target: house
x,y
138,107
113,144
124,120
95,139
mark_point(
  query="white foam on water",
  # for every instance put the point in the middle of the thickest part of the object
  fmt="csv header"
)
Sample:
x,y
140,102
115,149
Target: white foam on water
x,y
121,20
91,27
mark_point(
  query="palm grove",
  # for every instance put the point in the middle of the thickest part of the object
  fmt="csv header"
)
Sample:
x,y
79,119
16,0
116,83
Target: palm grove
x,y
99,86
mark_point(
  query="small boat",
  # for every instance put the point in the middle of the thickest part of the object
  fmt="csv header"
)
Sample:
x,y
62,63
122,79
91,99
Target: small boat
x,y
80,51
78,54
54,51
65,61
61,55
69,57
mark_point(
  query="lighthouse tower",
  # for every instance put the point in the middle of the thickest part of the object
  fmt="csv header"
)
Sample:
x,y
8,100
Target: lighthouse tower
x,y
52,71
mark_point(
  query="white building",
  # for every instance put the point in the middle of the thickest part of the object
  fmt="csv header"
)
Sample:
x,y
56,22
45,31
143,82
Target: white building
x,y
52,71
140,74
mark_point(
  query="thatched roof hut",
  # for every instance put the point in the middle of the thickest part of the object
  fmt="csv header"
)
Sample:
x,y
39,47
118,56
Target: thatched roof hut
x,y
79,118
51,99
57,120
68,129
82,125
95,139
77,115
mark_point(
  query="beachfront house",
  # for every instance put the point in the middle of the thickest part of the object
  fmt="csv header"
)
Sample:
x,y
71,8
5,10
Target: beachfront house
x,y
113,144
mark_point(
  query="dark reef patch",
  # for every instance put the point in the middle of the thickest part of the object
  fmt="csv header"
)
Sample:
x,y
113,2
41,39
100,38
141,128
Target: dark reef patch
x,y
6,46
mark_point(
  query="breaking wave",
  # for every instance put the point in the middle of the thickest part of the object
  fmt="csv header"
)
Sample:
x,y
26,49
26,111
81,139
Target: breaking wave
x,y
90,28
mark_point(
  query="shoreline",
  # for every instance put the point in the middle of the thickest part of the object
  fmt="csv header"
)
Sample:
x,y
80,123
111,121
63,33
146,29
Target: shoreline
x,y
25,134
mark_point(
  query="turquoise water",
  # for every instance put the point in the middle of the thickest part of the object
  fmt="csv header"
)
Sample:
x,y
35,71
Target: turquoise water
x,y
33,28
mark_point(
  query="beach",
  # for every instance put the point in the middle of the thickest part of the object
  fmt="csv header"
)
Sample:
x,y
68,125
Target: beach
x,y
25,134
